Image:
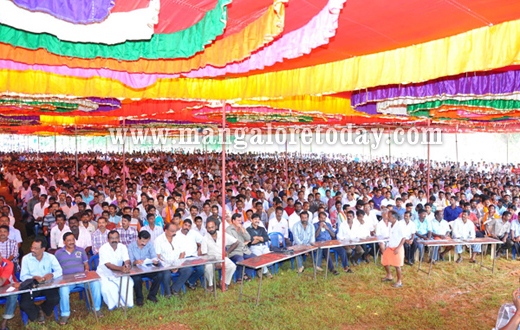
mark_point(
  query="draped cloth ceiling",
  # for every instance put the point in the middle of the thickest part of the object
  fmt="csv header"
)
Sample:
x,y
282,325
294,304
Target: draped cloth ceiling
x,y
93,63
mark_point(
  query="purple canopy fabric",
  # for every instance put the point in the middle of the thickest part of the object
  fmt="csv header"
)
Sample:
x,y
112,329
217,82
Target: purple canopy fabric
x,y
74,11
469,84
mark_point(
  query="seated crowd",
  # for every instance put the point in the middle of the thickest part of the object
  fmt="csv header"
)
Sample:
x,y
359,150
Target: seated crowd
x,y
165,207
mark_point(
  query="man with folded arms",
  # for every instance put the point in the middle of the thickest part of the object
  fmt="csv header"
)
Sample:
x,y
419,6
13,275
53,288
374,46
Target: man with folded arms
x,y
465,229
213,245
113,257
259,238
40,266
242,251
139,251
303,235
74,260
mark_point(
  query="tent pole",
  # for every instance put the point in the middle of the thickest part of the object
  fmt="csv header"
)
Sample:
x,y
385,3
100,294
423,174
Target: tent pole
x,y
124,157
457,144
223,193
54,141
507,148
286,167
428,171
76,150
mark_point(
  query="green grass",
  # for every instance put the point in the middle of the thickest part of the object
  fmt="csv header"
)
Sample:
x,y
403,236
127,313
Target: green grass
x,y
456,296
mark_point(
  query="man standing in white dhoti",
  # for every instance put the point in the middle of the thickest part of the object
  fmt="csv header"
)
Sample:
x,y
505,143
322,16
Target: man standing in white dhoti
x,y
113,256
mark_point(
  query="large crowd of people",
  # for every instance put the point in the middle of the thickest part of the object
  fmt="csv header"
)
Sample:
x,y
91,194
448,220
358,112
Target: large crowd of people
x,y
162,207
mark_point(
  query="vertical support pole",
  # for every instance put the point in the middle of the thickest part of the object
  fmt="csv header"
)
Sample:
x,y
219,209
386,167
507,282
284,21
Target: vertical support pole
x,y
223,225
456,144
286,167
55,141
124,157
428,171
76,150
507,148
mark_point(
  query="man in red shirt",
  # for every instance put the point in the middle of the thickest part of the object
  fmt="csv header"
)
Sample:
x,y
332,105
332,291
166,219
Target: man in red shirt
x,y
6,278
290,206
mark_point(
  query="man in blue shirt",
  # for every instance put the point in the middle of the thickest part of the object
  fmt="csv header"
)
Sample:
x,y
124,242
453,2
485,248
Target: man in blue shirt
x,y
139,251
74,260
324,232
399,208
303,235
424,231
452,212
42,267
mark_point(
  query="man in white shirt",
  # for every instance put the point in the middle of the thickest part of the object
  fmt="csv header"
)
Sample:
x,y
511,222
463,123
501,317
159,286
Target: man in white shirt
x,y
14,233
410,244
81,234
279,225
113,256
191,240
212,245
348,232
515,235
58,231
440,230
151,228
169,251
393,255
465,229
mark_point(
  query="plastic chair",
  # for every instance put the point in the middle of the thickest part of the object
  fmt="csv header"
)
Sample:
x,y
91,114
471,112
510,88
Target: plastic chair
x,y
276,238
513,252
81,291
335,255
93,262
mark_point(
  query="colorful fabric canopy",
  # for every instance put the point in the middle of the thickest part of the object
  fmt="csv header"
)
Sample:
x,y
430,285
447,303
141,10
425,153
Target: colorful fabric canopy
x,y
290,63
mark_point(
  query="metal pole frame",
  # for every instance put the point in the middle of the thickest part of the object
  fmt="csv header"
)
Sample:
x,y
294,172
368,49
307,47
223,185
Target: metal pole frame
x,y
428,171
223,225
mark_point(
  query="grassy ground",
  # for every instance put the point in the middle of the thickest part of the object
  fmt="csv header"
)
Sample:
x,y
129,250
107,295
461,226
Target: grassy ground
x,y
456,296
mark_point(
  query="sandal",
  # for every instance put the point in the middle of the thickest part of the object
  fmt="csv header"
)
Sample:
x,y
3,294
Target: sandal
x,y
386,279
246,278
64,320
398,285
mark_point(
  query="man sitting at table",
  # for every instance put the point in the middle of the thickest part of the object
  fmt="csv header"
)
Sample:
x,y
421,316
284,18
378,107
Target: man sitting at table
x,y
440,230
410,243
74,260
259,238
303,235
500,230
139,251
113,257
424,232
6,278
324,232
213,246
169,250
349,231
191,241
40,266
465,229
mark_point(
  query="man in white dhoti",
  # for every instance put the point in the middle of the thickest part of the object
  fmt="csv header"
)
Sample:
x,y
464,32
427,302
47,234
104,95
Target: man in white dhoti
x,y
212,243
113,256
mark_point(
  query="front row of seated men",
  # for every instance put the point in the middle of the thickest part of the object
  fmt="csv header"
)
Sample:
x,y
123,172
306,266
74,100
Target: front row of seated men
x,y
114,256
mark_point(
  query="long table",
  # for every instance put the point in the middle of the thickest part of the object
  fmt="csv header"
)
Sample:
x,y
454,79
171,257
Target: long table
x,y
181,263
341,243
272,258
450,242
65,280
